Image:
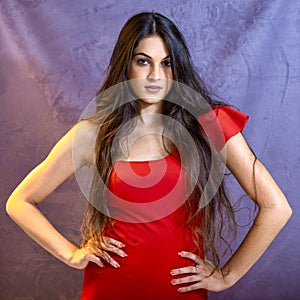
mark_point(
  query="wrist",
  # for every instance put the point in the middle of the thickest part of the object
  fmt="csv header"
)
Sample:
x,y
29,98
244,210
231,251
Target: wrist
x,y
229,276
67,254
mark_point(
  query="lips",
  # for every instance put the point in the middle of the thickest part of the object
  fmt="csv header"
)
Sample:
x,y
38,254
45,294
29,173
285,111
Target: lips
x,y
153,88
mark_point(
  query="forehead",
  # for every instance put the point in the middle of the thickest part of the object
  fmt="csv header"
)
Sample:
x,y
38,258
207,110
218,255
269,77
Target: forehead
x,y
154,45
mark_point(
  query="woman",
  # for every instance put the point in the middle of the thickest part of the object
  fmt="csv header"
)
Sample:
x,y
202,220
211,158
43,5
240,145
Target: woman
x,y
151,233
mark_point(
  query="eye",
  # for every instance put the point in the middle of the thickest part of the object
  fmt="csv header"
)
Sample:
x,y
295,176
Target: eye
x,y
142,62
167,63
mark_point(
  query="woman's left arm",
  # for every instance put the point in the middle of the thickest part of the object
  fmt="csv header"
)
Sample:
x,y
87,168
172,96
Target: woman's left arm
x,y
274,212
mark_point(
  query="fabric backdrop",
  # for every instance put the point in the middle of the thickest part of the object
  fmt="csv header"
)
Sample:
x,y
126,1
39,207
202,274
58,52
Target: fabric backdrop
x,y
53,55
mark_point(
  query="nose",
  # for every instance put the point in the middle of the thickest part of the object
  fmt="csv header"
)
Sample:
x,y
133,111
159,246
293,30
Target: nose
x,y
154,73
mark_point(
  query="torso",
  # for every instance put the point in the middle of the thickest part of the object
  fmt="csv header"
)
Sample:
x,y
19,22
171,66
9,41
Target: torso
x,y
147,206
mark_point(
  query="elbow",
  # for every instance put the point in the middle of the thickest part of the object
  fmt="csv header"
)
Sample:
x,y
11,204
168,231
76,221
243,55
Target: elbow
x,y
285,209
15,205
284,213
10,206
278,214
287,215
288,212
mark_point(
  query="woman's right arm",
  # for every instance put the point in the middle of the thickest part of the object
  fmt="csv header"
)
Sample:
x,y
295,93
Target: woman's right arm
x,y
42,181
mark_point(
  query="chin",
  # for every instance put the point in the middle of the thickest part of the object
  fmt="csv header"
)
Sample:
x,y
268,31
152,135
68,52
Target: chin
x,y
150,102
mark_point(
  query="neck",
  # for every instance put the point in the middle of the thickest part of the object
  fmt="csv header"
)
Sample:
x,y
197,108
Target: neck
x,y
150,120
150,114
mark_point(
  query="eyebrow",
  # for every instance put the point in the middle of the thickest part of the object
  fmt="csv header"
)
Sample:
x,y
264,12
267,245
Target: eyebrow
x,y
144,54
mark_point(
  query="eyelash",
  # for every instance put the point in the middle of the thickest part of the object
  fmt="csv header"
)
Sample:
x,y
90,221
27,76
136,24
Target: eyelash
x,y
167,63
142,62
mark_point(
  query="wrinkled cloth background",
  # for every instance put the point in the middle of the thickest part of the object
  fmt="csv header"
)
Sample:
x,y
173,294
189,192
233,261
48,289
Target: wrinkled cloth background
x,y
53,55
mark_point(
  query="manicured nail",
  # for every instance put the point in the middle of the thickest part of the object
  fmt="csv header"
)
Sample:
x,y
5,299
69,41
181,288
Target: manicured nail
x,y
116,265
122,253
173,281
173,272
179,290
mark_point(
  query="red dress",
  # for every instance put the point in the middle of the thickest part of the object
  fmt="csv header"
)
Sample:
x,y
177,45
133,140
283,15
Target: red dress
x,y
147,204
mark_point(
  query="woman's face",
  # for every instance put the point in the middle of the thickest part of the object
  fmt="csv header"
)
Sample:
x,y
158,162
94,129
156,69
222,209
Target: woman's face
x,y
150,70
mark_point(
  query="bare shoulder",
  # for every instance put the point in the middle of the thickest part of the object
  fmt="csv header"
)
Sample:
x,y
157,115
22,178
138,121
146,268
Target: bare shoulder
x,y
86,130
84,138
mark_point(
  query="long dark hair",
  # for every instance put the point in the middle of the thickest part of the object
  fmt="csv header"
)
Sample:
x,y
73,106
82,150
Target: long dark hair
x,y
208,221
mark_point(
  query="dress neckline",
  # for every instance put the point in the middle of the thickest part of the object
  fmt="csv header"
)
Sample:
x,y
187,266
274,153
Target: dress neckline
x,y
149,160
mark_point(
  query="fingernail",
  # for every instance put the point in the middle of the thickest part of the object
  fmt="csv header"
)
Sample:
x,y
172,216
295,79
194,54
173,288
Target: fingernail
x,y
116,265
172,272
179,290
173,281
180,253
123,254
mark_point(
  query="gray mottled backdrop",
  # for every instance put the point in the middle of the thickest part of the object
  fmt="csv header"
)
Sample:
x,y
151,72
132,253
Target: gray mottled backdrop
x,y
52,60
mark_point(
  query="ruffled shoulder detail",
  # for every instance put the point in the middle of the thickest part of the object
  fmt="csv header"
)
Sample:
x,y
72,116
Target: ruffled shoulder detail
x,y
222,123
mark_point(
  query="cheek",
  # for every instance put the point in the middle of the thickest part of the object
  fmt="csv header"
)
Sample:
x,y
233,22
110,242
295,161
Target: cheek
x,y
134,72
169,74
137,84
131,74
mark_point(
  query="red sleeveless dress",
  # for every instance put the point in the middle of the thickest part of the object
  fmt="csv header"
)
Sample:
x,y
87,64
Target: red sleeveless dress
x,y
147,204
